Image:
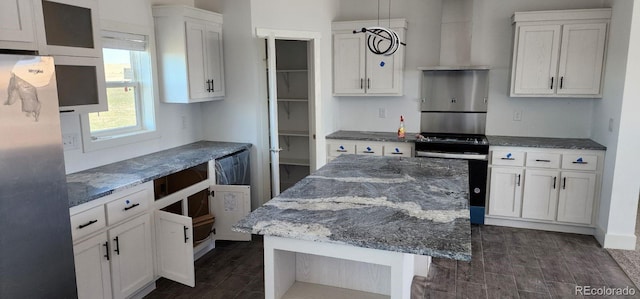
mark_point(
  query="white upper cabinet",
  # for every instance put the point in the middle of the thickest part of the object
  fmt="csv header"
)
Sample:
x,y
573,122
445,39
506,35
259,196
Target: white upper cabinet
x,y
582,58
190,56
359,72
16,25
68,27
559,53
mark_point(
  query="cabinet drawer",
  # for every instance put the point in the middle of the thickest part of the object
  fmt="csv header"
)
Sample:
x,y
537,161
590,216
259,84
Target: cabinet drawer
x,y
543,160
87,222
400,150
579,162
509,158
366,149
127,206
337,149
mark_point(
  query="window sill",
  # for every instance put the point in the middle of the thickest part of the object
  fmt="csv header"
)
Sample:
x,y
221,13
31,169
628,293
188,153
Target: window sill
x,y
90,145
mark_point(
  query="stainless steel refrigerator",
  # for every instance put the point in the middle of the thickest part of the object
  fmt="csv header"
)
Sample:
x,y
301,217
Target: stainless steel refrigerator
x,y
36,250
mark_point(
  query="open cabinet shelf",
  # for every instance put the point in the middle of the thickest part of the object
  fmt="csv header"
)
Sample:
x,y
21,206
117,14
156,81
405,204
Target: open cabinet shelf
x,y
293,133
302,100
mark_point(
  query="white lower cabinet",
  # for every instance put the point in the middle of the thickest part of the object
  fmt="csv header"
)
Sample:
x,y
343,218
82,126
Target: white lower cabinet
x,y
577,196
544,190
540,196
92,267
174,245
505,191
131,256
337,147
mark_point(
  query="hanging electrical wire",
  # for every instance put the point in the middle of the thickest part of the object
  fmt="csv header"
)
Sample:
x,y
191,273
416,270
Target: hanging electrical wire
x,y
380,40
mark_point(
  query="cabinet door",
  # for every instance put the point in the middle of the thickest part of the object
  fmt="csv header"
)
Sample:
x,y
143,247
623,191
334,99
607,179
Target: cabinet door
x,y
505,195
81,84
16,21
349,63
536,60
383,72
540,196
581,58
196,60
577,194
92,267
174,240
215,66
230,205
58,18
131,256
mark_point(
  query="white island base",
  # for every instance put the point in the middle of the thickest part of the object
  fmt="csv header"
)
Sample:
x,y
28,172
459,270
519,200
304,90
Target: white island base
x,y
307,269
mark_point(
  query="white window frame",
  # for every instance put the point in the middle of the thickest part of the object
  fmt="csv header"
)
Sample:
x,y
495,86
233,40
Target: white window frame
x,y
146,108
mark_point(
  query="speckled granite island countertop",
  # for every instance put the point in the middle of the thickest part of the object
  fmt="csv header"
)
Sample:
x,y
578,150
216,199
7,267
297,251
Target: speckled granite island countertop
x,y
371,136
408,205
545,142
87,185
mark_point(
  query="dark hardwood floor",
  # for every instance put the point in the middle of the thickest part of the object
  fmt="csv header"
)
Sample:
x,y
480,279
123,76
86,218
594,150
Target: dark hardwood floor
x,y
507,263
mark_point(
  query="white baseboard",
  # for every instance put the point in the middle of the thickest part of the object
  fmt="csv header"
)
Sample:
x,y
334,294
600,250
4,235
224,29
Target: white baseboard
x,y
584,230
613,241
144,291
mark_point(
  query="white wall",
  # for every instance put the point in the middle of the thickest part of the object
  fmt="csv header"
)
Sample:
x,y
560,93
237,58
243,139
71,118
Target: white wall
x,y
493,44
242,116
616,220
237,118
169,116
423,49
492,37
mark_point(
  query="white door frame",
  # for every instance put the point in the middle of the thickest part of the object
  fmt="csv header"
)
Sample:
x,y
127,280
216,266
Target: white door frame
x,y
315,124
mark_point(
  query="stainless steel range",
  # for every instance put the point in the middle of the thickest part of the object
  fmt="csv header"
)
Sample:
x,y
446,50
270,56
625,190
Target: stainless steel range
x,y
454,108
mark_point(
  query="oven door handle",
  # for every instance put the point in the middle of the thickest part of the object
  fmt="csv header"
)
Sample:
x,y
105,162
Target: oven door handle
x,y
451,156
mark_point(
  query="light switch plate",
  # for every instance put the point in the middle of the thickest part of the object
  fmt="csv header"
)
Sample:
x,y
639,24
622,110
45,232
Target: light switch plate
x,y
517,115
382,113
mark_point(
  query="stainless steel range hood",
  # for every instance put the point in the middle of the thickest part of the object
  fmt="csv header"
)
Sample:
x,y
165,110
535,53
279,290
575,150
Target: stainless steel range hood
x,y
456,37
454,93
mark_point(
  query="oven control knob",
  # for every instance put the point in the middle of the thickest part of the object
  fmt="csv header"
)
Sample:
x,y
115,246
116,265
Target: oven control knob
x,y
476,190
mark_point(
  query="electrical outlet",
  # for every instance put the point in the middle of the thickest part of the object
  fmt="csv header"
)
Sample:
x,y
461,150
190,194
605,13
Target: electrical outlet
x,y
517,115
382,113
610,124
70,141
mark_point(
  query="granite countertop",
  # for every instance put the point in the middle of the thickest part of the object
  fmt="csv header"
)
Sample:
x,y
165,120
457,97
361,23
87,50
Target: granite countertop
x,y
409,205
545,142
372,136
87,185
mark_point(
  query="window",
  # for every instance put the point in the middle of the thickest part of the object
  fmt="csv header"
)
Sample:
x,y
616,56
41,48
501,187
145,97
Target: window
x,y
130,98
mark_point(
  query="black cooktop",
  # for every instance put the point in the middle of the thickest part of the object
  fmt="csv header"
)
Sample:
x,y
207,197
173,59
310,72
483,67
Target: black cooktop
x,y
452,143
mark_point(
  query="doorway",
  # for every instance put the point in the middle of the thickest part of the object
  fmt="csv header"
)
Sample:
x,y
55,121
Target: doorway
x,y
293,88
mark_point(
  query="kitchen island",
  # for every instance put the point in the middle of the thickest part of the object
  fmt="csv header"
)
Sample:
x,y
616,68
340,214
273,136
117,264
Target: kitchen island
x,y
363,225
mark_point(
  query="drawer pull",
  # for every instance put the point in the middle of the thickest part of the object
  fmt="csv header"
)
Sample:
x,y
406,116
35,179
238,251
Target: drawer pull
x,y
341,151
580,162
369,152
397,153
541,160
131,207
503,158
81,226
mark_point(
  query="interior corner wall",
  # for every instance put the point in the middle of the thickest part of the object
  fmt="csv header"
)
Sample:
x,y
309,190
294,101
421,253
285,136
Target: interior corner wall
x,y
492,45
178,124
423,49
237,117
620,184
